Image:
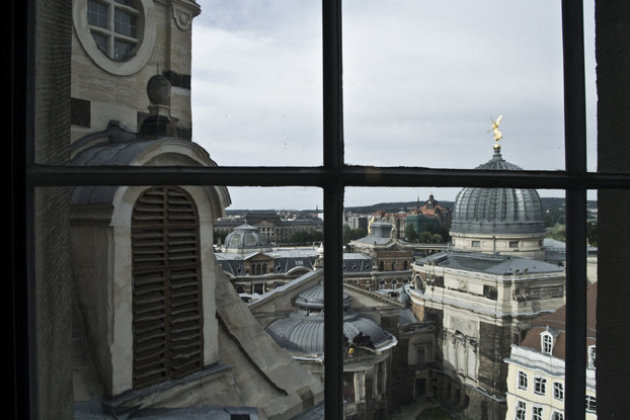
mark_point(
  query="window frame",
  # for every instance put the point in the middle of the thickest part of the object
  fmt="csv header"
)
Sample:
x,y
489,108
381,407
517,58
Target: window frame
x,y
540,385
521,410
521,380
546,342
332,177
556,415
558,391
590,404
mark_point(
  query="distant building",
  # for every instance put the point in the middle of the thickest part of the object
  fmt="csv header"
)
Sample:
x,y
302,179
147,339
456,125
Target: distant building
x,y
482,303
483,294
389,253
357,221
430,216
556,252
536,368
278,230
367,353
388,351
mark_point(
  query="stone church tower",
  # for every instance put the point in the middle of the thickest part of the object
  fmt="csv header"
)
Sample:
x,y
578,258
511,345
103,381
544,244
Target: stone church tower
x,y
157,324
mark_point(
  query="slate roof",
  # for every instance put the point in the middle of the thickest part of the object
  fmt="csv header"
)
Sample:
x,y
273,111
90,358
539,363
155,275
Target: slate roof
x,y
488,263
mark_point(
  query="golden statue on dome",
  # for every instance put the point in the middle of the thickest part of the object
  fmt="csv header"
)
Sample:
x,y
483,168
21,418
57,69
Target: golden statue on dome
x,y
497,134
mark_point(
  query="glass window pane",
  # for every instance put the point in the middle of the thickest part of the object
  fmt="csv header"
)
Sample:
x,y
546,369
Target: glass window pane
x,y
422,83
468,268
122,49
172,295
102,41
125,23
98,14
257,82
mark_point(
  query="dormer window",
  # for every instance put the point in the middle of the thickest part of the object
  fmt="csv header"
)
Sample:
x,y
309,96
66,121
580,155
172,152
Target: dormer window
x,y
547,340
546,343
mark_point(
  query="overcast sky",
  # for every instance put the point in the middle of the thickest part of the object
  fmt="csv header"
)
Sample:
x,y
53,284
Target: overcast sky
x,y
421,82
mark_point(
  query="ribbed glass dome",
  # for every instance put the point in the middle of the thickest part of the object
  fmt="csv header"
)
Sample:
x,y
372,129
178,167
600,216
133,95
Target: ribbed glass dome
x,y
313,298
497,210
246,238
305,333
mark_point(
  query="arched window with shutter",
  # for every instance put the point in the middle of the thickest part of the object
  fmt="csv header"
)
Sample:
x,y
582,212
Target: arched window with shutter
x,y
167,306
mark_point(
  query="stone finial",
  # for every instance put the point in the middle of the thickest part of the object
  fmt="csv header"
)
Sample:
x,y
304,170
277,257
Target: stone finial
x,y
159,90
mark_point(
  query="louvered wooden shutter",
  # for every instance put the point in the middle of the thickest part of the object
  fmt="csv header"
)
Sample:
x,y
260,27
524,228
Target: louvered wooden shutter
x,y
167,314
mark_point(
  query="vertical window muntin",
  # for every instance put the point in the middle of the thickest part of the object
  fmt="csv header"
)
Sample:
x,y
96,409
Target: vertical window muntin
x,y
522,380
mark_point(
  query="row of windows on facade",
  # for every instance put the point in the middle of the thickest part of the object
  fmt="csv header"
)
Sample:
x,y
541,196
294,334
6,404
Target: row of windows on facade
x,y
540,386
262,268
538,411
261,288
511,244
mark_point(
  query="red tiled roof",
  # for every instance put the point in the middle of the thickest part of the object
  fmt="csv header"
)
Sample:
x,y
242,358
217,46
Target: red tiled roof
x,y
557,321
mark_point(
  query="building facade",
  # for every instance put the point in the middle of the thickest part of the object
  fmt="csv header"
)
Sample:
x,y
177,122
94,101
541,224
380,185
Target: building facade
x,y
482,296
536,368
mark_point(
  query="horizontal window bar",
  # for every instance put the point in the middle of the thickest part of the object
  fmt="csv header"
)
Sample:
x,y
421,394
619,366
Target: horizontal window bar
x,y
319,176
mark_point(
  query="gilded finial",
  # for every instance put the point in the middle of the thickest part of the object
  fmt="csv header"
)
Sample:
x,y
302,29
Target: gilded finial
x,y
497,134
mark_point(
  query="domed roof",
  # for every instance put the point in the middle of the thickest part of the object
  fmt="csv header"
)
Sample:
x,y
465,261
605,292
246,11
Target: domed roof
x,y
497,210
246,238
313,298
305,333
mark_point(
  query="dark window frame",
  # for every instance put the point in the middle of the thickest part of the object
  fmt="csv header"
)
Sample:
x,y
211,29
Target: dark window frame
x,y
333,177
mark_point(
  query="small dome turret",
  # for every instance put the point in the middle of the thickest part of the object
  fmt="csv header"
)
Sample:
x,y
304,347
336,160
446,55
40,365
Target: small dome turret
x,y
246,238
